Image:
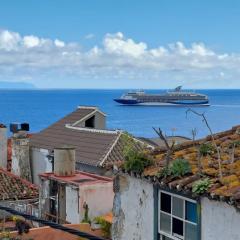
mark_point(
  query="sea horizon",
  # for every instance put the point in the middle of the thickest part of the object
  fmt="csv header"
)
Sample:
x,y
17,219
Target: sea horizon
x,y
124,88
42,107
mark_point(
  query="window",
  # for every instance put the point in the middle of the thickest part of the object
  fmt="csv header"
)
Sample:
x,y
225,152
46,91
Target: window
x,y
177,217
90,123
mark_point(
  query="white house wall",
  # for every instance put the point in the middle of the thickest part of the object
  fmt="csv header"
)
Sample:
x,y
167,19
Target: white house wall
x,y
219,221
39,163
133,209
72,205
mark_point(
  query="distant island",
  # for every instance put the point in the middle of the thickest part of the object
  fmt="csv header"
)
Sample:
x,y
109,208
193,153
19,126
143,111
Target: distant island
x,y
16,85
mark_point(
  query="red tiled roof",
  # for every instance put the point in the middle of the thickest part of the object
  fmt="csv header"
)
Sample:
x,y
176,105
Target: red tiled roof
x,y
226,188
13,187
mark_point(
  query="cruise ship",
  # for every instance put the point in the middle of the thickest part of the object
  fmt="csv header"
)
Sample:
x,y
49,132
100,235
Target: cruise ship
x,y
176,97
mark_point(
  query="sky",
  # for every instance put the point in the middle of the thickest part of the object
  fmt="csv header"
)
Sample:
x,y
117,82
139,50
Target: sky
x,y
120,44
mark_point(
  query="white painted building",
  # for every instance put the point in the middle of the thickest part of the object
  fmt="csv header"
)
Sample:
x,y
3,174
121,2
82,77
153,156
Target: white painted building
x,y
69,196
143,211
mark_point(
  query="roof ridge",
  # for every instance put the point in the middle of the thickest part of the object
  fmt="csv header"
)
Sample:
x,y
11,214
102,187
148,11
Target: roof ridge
x,y
188,144
92,129
93,108
110,149
87,107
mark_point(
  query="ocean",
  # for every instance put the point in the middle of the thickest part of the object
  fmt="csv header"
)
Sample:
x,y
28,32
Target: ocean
x,y
40,108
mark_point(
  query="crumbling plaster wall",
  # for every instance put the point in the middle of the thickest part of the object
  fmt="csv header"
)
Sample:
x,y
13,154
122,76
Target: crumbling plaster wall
x,y
219,221
39,163
20,158
72,204
44,191
133,209
3,147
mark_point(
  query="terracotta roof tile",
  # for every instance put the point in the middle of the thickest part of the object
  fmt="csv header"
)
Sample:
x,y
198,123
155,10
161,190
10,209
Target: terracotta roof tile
x,y
13,187
227,188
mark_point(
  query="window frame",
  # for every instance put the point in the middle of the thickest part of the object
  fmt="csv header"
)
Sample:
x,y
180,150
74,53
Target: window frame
x,y
171,236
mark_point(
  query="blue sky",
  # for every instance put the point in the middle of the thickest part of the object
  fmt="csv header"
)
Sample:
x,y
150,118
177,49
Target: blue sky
x,y
121,44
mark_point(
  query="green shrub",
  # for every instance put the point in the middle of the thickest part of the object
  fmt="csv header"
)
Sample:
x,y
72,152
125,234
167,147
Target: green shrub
x,y
105,226
164,172
201,186
136,161
206,149
180,167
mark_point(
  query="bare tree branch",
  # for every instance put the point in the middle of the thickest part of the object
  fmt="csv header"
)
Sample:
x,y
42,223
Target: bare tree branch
x,y
170,149
204,119
233,153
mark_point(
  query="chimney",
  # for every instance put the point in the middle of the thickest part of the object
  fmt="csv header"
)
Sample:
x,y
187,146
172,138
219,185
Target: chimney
x,y
3,146
64,161
21,151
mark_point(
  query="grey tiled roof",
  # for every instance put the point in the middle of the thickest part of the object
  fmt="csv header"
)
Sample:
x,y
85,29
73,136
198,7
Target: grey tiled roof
x,y
91,146
116,155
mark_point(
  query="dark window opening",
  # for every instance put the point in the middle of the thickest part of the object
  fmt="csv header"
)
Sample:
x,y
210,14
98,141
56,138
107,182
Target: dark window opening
x,y
177,226
165,202
165,238
53,188
53,197
90,123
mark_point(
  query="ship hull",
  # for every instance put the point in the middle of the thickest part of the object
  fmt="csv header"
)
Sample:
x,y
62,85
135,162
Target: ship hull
x,y
168,103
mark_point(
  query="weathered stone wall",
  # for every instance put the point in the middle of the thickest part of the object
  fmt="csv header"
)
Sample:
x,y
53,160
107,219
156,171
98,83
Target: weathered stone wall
x,y
133,209
219,221
20,157
3,147
44,194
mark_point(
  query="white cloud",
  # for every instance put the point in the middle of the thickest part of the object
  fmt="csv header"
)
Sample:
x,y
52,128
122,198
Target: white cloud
x,y
117,57
117,44
9,40
31,41
59,43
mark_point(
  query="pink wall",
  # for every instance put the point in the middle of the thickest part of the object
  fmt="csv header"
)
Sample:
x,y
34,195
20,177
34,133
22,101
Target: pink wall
x,y
99,198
